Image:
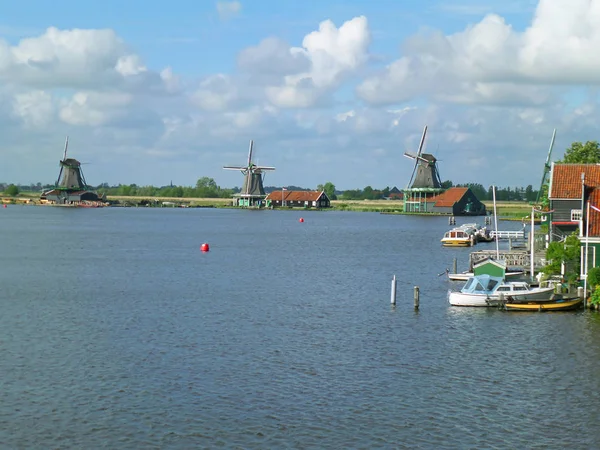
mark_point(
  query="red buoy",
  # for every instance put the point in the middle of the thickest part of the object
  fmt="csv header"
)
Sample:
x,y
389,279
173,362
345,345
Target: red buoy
x,y
300,219
204,247
4,206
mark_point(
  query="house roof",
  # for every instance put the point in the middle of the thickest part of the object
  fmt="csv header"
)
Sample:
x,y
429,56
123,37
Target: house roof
x,y
566,179
594,218
450,196
296,196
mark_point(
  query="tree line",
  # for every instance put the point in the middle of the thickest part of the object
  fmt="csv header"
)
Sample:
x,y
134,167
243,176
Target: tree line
x,y
206,187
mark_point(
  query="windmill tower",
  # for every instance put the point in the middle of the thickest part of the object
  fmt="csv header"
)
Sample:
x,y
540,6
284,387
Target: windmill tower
x,y
70,176
424,182
253,192
70,186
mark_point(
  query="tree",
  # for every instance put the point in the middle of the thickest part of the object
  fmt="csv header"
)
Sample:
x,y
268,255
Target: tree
x,y
568,253
368,193
206,183
329,189
530,194
578,153
11,190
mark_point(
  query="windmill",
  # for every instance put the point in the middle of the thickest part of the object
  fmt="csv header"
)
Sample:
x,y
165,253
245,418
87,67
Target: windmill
x,y
253,192
70,176
425,180
425,168
70,186
543,191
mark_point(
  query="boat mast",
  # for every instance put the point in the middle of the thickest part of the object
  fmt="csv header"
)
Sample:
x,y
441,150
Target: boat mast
x,y
495,223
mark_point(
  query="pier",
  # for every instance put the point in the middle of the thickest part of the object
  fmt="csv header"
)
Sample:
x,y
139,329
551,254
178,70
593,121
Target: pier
x,y
507,234
518,257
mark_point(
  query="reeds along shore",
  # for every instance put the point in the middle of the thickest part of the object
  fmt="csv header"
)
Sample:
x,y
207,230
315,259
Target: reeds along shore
x,y
516,210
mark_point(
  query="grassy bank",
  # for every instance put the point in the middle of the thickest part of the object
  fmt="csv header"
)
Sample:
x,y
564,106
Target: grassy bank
x,y
189,201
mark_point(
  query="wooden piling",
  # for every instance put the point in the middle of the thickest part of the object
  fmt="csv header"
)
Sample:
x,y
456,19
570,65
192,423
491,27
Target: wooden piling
x,y
454,266
581,294
416,297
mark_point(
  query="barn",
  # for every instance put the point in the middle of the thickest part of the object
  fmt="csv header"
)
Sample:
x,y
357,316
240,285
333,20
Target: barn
x,y
458,201
298,199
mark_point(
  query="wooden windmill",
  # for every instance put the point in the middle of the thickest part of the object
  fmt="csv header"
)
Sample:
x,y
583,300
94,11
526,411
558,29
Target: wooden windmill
x,y
70,176
424,182
253,192
70,187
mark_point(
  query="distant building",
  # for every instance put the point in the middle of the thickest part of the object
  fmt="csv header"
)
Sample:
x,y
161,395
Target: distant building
x,y
302,199
457,201
395,194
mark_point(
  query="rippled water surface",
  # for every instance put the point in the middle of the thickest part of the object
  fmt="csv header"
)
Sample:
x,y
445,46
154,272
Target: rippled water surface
x,y
117,332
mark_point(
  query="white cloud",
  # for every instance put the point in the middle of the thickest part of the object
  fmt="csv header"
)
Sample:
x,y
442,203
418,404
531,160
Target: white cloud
x,y
60,58
492,63
334,53
129,65
227,10
94,109
216,93
35,108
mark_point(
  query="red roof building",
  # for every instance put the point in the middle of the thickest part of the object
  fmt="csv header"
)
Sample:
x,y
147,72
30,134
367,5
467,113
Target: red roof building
x,y
302,199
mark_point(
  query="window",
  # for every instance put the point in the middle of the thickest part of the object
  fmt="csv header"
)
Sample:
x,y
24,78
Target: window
x,y
575,215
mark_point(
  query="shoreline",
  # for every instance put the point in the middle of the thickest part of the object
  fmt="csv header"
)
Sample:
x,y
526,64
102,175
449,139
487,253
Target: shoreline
x,y
512,211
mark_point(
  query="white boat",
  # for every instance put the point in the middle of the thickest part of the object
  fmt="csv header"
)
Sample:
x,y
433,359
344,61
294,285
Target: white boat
x,y
464,276
487,290
463,236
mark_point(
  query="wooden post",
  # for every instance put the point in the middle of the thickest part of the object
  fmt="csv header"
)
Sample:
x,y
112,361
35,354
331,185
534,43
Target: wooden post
x,y
454,266
393,296
416,295
581,294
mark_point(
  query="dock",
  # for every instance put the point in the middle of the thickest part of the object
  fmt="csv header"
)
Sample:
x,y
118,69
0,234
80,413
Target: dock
x,y
516,258
508,234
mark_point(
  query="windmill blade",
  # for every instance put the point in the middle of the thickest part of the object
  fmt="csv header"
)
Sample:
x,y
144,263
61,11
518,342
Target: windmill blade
x,y
264,167
418,155
250,152
66,147
550,149
422,141
546,167
234,168
418,158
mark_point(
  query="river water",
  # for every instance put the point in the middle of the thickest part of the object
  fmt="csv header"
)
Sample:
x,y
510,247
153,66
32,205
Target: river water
x,y
117,332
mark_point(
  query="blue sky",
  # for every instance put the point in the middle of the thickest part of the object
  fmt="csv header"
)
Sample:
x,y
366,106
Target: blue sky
x,y
157,91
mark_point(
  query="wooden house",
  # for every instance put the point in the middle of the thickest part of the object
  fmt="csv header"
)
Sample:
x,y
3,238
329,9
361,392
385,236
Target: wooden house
x,y
395,194
571,187
458,201
298,199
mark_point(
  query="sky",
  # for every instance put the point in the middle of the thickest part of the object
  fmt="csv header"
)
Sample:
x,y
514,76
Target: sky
x,y
157,92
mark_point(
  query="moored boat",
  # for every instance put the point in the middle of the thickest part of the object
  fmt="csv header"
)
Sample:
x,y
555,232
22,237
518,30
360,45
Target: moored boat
x,y
487,290
565,304
464,276
462,236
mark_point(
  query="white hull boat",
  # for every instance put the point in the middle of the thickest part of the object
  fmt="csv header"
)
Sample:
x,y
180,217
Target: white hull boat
x,y
486,290
464,276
